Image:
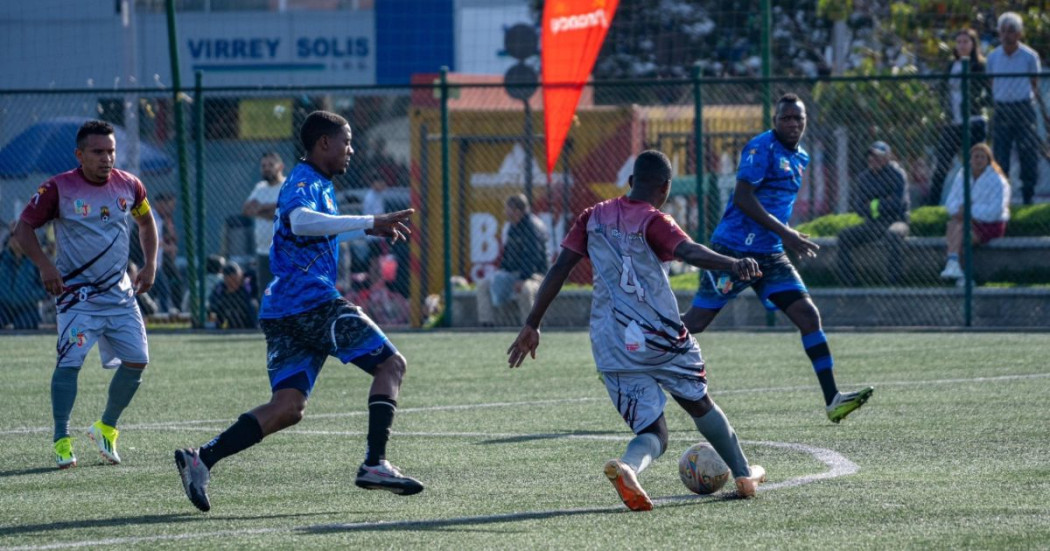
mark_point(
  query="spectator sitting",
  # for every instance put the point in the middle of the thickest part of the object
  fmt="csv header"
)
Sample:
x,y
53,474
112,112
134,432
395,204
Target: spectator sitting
x,y
384,306
212,276
231,302
522,266
881,199
989,207
20,290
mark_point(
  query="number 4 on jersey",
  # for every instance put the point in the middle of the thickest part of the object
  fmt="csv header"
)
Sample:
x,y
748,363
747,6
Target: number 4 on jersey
x,y
629,280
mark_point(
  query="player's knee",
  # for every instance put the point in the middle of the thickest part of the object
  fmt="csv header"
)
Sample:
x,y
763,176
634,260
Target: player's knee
x,y
291,407
393,368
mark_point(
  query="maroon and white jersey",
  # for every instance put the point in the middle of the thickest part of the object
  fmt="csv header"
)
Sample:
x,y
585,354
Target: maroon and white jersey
x,y
92,231
635,321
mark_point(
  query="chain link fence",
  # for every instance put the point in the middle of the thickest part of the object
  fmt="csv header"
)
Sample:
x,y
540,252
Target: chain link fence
x,y
490,220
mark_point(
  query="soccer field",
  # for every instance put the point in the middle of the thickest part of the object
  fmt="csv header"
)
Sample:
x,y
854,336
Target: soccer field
x,y
951,452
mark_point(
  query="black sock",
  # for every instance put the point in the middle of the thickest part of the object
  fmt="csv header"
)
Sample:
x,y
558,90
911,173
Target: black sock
x,y
381,411
816,346
826,379
241,435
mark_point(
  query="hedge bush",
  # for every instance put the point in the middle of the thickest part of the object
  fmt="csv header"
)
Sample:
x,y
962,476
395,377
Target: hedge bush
x,y
1025,220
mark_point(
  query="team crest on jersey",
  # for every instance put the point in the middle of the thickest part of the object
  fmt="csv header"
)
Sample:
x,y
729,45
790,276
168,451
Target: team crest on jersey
x,y
81,208
785,165
104,212
122,203
329,203
36,196
299,188
76,336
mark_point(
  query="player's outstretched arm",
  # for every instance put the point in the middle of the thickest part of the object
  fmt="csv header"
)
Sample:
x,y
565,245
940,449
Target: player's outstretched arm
x,y
799,243
393,225
700,256
529,337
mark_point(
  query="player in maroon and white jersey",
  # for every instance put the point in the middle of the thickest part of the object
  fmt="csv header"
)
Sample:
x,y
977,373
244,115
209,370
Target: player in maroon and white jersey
x,y
639,343
92,208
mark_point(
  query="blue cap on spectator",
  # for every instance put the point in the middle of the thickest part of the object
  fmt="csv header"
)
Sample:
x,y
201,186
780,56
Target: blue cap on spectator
x,y
880,148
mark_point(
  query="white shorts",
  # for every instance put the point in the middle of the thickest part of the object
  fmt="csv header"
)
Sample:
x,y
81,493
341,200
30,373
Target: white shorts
x,y
639,395
121,338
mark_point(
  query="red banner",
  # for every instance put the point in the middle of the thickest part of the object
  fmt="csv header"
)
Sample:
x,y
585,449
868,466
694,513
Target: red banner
x,y
573,32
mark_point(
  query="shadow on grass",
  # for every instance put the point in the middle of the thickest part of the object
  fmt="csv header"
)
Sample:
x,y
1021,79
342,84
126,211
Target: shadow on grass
x,y
24,472
444,523
554,436
141,520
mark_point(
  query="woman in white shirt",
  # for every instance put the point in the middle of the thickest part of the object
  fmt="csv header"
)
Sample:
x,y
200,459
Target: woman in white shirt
x,y
989,206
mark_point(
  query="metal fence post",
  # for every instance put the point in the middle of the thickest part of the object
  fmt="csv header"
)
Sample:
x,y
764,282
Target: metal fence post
x,y
180,143
446,200
198,136
698,144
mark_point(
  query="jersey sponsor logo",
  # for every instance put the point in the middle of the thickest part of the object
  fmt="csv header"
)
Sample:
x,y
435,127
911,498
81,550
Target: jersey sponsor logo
x,y
122,204
328,202
81,208
751,155
299,188
76,336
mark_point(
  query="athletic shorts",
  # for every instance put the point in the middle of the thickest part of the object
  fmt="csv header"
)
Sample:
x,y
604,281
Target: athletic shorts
x,y
639,395
121,338
984,232
717,288
297,345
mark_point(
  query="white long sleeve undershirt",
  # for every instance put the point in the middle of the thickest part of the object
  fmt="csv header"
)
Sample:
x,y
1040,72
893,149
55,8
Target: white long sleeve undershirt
x,y
305,221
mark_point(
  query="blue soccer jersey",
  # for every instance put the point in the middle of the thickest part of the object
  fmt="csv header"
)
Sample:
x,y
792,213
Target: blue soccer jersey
x,y
305,268
775,172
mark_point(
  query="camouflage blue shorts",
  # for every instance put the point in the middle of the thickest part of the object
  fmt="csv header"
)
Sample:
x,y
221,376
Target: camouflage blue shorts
x,y
297,345
717,288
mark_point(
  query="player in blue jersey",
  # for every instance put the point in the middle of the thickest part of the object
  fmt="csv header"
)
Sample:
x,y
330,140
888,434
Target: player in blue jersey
x,y
755,224
305,319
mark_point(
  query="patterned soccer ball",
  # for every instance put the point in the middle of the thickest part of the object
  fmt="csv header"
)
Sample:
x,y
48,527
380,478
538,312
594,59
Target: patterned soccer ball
x,y
702,470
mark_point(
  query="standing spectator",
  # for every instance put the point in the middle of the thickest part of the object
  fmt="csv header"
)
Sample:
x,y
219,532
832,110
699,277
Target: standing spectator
x,y
232,302
967,46
881,199
522,266
91,208
168,288
989,207
1014,118
262,205
754,224
20,291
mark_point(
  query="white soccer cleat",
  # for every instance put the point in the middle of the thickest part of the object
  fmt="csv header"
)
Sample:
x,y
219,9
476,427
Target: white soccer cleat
x,y
385,476
952,270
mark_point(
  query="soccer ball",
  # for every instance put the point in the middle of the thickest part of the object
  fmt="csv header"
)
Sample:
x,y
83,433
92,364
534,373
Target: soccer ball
x,y
702,470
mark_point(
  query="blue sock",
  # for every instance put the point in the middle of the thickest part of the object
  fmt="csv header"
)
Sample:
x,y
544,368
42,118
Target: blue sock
x,y
122,387
641,451
953,256
63,394
716,429
816,345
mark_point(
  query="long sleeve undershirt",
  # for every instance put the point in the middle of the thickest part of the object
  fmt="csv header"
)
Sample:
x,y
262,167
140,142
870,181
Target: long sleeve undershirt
x,y
310,222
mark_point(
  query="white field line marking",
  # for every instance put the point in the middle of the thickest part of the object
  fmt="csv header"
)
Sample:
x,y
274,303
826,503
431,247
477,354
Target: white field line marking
x,y
837,464
400,411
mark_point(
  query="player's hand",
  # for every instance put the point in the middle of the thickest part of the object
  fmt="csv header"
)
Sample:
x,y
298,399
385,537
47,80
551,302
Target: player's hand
x,y
145,278
52,280
746,269
392,225
800,244
525,345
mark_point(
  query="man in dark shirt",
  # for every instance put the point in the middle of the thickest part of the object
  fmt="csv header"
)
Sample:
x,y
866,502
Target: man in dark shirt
x,y
232,302
521,268
881,199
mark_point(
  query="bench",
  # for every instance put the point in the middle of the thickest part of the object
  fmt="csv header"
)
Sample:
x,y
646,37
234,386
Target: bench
x,y
1022,260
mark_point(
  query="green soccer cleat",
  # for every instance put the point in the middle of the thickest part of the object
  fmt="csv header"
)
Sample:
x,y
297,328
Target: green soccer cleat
x,y
844,404
105,437
64,457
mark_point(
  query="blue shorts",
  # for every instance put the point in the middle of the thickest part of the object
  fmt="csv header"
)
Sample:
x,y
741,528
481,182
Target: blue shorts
x,y
298,345
718,288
